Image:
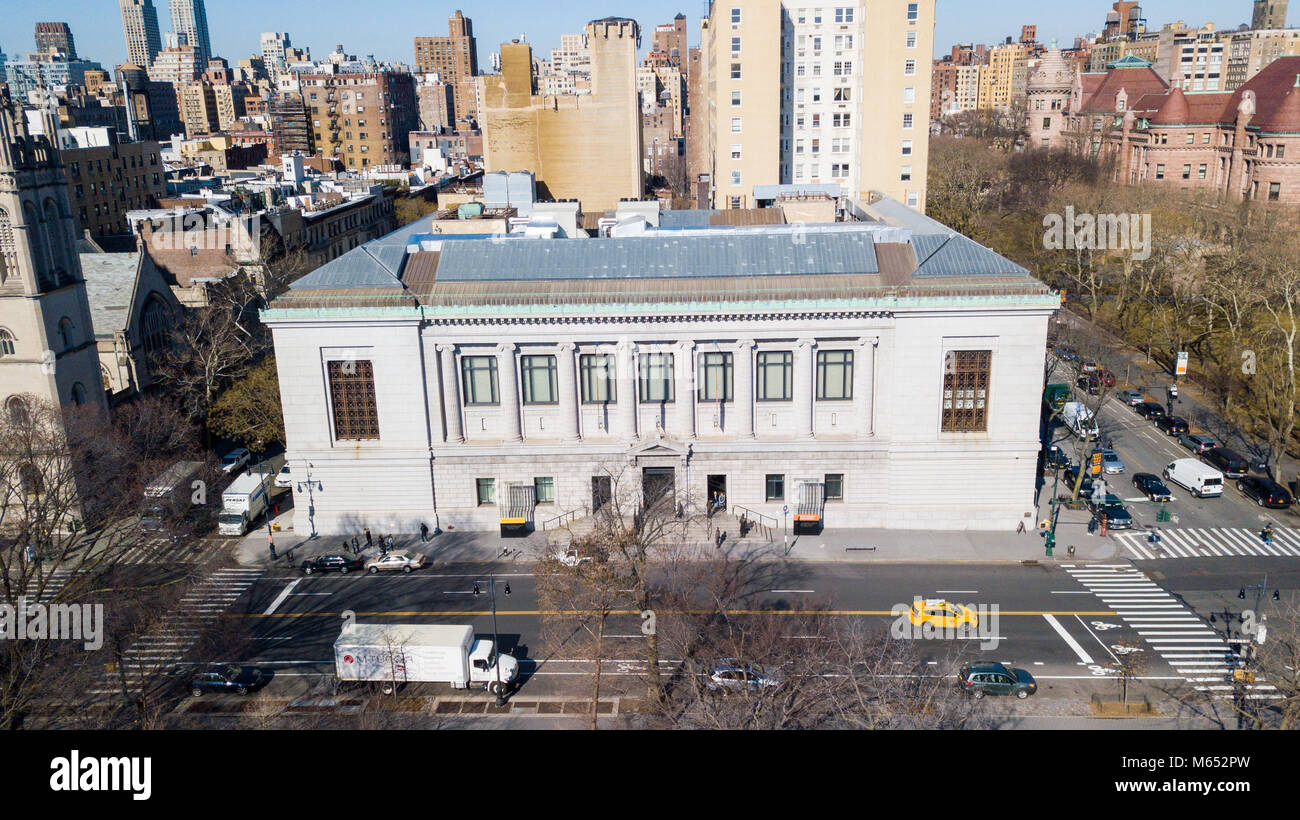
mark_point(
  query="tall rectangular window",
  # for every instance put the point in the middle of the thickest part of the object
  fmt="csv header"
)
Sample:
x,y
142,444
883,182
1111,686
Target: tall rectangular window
x,y
539,379
966,391
597,371
544,489
486,489
715,377
913,11
773,374
352,394
657,377
479,374
834,375
775,487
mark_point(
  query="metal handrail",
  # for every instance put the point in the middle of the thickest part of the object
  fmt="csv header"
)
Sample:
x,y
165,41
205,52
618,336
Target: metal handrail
x,y
757,519
559,520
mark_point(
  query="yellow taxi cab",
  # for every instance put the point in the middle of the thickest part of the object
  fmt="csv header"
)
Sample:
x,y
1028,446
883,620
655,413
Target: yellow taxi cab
x,y
942,614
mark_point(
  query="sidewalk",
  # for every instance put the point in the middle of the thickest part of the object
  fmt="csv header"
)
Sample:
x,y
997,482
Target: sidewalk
x,y
844,545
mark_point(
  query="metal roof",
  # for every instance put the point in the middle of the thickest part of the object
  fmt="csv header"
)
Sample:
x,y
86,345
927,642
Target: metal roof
x,y
957,255
657,257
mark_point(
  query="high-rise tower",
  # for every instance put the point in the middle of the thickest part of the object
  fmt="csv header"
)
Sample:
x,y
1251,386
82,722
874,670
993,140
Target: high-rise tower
x,y
140,25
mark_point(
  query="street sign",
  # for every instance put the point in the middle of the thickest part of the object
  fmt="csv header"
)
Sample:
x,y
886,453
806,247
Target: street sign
x,y
1096,463
1181,368
786,509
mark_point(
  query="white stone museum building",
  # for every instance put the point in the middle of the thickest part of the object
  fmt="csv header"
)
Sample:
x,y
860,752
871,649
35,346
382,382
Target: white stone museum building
x,y
890,361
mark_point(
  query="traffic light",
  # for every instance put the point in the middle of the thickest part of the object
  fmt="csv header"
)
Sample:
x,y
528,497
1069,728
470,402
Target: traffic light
x,y
1242,594
476,589
507,587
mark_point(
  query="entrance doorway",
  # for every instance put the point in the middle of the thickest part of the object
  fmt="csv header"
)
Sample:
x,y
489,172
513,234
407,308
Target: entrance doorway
x,y
717,491
657,483
601,491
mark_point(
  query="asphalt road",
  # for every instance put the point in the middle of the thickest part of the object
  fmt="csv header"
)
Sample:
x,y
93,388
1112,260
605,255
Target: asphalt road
x,y
1046,621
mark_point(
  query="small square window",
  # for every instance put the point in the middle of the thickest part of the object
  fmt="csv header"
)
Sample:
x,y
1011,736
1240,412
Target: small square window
x,y
834,486
544,489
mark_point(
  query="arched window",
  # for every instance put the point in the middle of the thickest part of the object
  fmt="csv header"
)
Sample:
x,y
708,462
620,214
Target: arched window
x,y
65,332
17,410
153,330
6,343
78,394
30,477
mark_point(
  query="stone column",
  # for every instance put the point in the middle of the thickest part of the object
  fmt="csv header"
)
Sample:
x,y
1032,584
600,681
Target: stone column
x,y
508,387
684,388
626,379
864,399
570,413
451,394
803,390
742,390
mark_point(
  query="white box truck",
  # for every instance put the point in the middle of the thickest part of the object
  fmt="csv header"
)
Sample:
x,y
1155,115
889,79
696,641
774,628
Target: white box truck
x,y
1078,419
242,502
167,497
1201,479
397,653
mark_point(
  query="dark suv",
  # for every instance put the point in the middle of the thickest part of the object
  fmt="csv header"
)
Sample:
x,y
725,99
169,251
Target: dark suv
x,y
1264,492
332,563
1226,461
1171,425
1149,410
980,679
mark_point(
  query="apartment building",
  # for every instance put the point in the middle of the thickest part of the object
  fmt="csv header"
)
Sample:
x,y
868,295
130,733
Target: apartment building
x,y
437,102
1269,14
362,119
56,38
177,64
198,107
455,59
585,147
1249,52
1005,78
140,26
847,103
107,178
955,88
190,22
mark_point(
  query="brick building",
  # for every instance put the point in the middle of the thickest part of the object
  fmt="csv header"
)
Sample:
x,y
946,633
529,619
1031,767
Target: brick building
x,y
362,119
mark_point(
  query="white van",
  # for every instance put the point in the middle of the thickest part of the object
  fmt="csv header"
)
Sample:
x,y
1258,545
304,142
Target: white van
x,y
1078,419
1203,480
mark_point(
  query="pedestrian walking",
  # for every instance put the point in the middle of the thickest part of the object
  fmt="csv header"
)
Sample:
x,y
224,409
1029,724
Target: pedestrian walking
x,y
424,532
356,547
1267,535
368,541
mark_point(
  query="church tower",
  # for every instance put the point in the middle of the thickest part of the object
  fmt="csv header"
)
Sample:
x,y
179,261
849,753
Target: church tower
x,y
47,342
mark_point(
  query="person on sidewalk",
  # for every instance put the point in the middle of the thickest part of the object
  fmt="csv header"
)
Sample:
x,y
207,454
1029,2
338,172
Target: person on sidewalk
x,y
356,547
368,541
424,532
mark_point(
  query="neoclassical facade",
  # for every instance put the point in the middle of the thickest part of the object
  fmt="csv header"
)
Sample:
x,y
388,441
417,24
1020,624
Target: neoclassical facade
x,y
894,362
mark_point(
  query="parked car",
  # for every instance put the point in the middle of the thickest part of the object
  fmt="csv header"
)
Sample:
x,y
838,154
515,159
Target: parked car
x,y
1152,487
1230,463
224,678
341,564
1171,425
234,461
1110,462
1107,378
1055,457
1149,410
1089,383
1172,391
1264,492
1130,397
1070,474
284,478
398,560
980,679
730,674
1088,367
1197,444
1117,515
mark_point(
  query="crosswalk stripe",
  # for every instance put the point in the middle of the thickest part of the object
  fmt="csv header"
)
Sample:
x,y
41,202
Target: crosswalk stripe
x,y
1206,542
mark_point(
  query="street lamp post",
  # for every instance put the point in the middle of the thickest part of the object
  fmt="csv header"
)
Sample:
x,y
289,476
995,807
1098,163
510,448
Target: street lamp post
x,y
309,485
261,471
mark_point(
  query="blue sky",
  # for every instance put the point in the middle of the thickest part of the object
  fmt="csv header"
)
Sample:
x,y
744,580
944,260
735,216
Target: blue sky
x,y
385,28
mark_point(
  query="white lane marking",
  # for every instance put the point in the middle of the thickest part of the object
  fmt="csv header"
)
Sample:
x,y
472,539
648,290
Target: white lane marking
x,y
957,591
1069,640
792,591
284,593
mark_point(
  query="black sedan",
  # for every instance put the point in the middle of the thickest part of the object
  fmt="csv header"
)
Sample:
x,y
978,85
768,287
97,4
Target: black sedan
x,y
1171,425
332,563
226,678
1265,493
1152,487
1149,410
1089,383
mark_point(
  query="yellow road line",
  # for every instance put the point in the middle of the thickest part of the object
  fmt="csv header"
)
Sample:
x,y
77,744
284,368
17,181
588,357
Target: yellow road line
x,y
536,612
